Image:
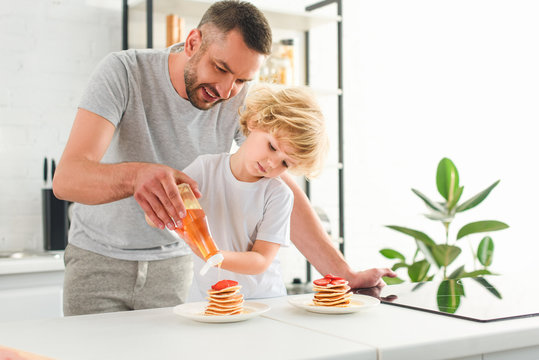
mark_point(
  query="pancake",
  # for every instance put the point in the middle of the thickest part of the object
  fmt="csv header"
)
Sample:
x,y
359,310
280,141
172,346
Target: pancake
x,y
331,291
224,299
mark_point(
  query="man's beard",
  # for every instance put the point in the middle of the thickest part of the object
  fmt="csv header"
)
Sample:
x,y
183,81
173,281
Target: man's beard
x,y
191,86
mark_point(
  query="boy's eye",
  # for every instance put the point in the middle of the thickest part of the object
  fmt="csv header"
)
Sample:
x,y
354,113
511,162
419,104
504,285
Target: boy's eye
x,y
271,147
285,164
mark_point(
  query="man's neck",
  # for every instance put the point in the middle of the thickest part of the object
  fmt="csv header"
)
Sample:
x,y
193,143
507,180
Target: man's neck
x,y
176,65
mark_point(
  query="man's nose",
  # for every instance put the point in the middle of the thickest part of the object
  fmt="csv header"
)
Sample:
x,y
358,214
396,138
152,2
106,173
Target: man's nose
x,y
225,87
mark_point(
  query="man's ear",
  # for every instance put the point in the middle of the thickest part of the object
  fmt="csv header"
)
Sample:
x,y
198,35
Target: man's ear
x,y
192,42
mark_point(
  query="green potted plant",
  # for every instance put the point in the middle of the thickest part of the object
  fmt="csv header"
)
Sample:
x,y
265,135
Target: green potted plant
x,y
431,257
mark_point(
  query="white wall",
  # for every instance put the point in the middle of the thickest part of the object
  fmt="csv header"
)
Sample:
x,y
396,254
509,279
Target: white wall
x,y
431,79
49,48
423,80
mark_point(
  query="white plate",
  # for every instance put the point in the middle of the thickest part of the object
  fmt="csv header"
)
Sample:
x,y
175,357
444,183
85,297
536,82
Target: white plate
x,y
195,311
357,303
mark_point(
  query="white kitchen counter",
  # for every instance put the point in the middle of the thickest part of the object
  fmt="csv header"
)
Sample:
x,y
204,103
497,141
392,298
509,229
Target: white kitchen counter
x,y
31,286
399,333
285,332
51,261
160,334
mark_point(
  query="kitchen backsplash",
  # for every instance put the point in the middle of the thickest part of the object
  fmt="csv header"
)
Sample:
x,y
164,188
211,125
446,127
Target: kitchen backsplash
x,y
49,49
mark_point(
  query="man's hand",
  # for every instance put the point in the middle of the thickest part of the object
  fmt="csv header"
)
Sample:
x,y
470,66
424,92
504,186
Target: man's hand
x,y
369,278
156,191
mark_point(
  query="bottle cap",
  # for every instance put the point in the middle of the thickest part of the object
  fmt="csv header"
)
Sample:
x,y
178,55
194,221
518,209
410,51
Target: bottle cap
x,y
212,261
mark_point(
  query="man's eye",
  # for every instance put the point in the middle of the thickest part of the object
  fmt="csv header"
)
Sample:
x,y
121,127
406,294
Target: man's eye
x,y
220,69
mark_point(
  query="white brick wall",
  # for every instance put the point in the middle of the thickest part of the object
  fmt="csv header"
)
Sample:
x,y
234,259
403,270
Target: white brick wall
x,y
49,48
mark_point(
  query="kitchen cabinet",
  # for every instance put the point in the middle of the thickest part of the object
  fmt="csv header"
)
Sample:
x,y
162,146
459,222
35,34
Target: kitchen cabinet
x,y
326,193
31,288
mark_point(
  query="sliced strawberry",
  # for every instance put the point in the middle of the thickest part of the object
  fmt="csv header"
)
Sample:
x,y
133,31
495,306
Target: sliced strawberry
x,y
338,281
322,282
333,277
223,284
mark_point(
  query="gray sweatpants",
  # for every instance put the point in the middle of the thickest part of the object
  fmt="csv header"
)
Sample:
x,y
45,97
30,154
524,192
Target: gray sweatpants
x,y
95,283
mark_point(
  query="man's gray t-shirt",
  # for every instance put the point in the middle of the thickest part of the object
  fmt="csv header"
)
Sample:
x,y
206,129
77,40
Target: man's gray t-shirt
x,y
132,89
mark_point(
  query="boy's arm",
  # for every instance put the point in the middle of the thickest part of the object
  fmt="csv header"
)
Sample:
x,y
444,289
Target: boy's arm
x,y
309,236
252,262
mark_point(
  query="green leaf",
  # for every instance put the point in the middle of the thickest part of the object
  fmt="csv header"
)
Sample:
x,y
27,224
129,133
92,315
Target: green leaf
x,y
398,266
413,233
477,199
431,204
445,254
392,254
485,251
488,286
476,273
449,293
426,250
392,281
418,270
436,216
447,179
456,198
481,226
457,273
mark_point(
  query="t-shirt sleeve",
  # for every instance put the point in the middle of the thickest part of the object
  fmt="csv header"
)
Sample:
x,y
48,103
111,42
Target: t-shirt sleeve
x,y
107,91
275,225
195,171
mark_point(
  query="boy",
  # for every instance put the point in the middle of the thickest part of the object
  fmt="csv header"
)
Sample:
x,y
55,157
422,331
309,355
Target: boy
x,y
247,205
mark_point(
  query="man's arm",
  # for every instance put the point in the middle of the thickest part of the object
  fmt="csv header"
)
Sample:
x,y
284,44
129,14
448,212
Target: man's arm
x,y
309,236
81,177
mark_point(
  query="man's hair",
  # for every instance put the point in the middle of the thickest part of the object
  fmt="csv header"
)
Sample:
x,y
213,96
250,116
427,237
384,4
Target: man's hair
x,y
246,18
292,115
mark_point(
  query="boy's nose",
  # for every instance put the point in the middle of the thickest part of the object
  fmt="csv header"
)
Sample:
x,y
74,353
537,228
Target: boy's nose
x,y
272,160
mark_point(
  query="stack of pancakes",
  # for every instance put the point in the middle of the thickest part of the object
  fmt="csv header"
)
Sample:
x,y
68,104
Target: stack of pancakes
x,y
224,299
331,291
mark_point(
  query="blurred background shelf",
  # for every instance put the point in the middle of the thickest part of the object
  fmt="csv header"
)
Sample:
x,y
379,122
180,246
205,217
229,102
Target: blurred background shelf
x,y
300,21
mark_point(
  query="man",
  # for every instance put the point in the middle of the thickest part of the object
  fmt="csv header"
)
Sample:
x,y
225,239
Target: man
x,y
144,115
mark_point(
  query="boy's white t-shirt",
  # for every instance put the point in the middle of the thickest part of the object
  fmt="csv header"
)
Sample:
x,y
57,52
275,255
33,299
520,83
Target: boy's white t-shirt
x,y
238,214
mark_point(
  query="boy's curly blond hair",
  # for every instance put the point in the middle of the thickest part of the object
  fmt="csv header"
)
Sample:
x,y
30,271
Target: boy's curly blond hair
x,y
292,115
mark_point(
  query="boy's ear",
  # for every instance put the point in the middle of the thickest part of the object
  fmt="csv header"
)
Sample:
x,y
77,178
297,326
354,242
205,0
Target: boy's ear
x,y
252,123
192,42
